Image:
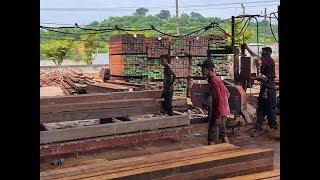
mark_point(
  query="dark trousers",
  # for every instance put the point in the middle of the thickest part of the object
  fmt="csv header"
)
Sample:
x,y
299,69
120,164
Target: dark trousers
x,y
167,95
266,106
217,131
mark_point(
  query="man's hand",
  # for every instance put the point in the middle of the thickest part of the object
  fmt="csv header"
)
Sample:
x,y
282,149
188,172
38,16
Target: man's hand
x,y
218,121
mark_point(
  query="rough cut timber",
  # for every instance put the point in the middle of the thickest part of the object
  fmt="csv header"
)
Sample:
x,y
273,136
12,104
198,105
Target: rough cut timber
x,y
109,87
112,128
57,150
140,86
100,97
97,113
275,174
205,162
97,105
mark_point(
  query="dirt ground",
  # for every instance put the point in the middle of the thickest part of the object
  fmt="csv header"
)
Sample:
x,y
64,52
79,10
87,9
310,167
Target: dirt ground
x,y
241,137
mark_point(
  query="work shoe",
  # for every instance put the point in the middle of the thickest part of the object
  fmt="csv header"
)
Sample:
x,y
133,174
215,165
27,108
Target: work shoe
x,y
225,140
256,133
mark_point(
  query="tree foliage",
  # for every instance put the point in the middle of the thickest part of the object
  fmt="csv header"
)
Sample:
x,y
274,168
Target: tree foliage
x,y
164,15
141,11
163,21
91,45
242,34
57,50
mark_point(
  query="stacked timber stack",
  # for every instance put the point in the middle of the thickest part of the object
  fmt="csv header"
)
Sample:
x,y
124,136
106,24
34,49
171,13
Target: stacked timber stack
x,y
76,80
179,47
89,79
220,59
123,50
180,87
50,79
206,162
180,60
157,47
155,74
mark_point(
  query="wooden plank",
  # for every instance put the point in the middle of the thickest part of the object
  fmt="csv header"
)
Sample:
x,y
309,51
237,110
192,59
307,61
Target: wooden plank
x,y
141,86
58,150
100,97
262,175
179,101
152,172
96,114
97,105
157,158
225,170
80,88
68,75
111,129
79,73
179,164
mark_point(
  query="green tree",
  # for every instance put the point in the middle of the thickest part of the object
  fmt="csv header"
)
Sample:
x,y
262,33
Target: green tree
x,y
56,50
141,11
241,34
91,43
164,15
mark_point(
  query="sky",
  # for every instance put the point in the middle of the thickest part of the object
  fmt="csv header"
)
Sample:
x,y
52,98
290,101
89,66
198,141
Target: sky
x,y
98,10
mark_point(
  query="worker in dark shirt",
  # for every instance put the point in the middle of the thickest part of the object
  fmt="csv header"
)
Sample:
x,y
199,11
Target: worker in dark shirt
x,y
267,95
168,80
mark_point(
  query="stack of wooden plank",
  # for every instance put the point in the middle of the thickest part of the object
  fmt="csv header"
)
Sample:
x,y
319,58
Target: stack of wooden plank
x,y
50,79
180,66
127,44
268,175
89,78
106,105
210,162
198,45
75,80
117,127
156,47
179,47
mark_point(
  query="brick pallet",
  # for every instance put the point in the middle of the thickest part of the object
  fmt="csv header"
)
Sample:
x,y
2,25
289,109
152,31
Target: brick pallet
x,y
180,66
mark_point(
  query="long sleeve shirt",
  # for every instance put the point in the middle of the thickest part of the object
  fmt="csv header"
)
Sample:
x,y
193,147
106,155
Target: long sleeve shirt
x,y
169,78
219,98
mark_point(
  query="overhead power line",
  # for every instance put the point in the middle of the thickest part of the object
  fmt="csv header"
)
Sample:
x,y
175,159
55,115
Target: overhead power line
x,y
186,7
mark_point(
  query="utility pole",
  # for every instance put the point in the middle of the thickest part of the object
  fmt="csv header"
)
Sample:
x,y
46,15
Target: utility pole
x,y
243,9
232,31
177,18
265,26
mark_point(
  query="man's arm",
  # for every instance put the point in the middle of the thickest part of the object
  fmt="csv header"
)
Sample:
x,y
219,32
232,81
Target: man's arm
x,y
256,58
172,76
217,98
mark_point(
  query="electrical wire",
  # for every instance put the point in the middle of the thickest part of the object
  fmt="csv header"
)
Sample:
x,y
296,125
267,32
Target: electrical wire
x,y
272,29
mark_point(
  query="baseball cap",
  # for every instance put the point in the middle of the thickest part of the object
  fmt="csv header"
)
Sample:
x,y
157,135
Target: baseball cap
x,y
207,64
267,49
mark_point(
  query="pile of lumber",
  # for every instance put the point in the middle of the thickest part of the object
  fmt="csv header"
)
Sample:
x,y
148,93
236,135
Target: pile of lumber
x,y
50,79
127,44
206,162
106,105
73,82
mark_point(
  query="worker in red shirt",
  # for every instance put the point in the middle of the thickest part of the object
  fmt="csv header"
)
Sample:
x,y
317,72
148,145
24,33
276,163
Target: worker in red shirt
x,y
219,105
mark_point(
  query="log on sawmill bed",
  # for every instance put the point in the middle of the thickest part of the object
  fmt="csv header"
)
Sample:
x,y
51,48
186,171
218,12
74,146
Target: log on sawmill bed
x,y
112,128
